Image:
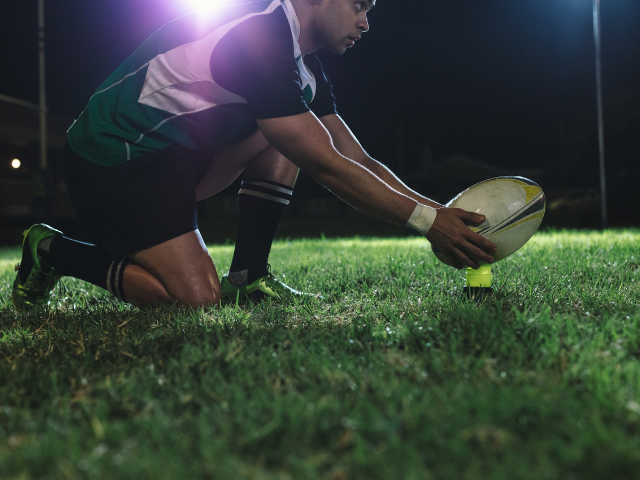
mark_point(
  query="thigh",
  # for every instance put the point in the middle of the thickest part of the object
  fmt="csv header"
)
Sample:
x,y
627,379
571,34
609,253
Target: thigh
x,y
138,204
256,156
185,269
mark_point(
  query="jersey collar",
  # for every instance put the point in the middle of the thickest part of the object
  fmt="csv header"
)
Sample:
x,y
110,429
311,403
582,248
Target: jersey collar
x,y
308,80
294,24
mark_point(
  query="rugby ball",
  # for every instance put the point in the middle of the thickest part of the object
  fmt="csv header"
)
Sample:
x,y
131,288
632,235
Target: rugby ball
x,y
513,207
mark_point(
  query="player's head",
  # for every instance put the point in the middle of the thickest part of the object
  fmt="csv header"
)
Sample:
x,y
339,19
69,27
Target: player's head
x,y
338,24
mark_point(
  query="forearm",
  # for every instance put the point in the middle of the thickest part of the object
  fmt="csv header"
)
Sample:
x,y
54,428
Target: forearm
x,y
347,144
364,190
388,177
371,195
304,141
355,184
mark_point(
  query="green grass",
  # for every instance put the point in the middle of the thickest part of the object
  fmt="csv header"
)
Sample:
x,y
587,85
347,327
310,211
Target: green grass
x,y
392,375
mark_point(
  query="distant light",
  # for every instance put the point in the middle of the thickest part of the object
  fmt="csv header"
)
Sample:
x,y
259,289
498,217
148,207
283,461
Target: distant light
x,y
15,163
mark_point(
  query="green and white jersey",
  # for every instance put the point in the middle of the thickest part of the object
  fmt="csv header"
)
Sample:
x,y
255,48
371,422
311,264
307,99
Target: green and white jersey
x,y
201,81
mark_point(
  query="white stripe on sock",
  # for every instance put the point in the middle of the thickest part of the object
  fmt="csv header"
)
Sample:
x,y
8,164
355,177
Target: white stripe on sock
x,y
117,279
265,196
109,277
288,191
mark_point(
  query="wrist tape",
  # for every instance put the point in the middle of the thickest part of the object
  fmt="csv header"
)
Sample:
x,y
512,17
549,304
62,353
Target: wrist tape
x,y
422,218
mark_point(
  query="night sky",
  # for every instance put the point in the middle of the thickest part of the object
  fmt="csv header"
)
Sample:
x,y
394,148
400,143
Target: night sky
x,y
504,81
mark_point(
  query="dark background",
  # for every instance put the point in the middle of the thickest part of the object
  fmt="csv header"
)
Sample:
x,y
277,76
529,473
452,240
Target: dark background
x,y
501,84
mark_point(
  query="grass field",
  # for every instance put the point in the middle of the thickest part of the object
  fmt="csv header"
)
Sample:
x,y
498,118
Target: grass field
x,y
391,375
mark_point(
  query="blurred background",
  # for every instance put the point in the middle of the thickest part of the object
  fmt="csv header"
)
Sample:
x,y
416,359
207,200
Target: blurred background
x,y
446,93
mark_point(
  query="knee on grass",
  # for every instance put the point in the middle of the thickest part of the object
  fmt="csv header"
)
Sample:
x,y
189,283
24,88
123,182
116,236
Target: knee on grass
x,y
201,298
154,293
196,291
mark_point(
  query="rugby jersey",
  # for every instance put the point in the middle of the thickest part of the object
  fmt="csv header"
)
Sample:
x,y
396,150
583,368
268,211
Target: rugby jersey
x,y
201,81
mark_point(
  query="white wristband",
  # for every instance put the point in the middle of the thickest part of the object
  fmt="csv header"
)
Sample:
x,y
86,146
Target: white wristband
x,y
422,218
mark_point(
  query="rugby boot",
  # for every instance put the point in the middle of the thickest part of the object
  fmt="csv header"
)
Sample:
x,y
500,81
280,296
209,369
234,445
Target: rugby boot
x,y
267,286
35,279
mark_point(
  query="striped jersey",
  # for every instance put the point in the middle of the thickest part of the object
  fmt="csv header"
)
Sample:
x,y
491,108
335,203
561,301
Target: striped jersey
x,y
202,81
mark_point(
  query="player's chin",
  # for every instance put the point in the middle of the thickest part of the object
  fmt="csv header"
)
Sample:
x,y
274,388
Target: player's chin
x,y
338,49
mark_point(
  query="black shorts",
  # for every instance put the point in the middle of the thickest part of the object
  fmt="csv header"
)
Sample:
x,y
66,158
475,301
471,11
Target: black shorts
x,y
138,204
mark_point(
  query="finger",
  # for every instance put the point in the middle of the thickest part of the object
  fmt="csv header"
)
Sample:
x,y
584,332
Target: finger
x,y
474,252
481,242
466,261
453,261
472,218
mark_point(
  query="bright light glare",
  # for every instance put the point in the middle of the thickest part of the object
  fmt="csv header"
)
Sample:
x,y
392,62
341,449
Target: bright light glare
x,y
15,163
204,5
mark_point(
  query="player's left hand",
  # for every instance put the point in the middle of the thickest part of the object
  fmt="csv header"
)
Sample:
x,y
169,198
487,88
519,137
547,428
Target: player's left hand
x,y
450,235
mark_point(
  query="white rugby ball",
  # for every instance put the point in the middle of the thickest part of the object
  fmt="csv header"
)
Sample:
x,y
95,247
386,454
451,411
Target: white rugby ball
x,y
513,206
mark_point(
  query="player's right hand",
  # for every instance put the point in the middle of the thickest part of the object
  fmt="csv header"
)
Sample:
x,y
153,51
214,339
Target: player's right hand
x,y
450,235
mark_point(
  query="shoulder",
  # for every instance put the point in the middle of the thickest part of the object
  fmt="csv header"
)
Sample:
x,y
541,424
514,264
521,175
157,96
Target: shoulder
x,y
259,43
270,26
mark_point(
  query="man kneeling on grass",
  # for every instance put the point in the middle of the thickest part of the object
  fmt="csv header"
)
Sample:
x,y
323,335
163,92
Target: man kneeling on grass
x,y
204,99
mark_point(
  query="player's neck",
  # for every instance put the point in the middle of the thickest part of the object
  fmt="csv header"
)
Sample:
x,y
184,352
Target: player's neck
x,y
308,40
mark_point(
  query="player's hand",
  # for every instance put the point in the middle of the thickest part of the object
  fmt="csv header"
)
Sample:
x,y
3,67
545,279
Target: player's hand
x,y
450,235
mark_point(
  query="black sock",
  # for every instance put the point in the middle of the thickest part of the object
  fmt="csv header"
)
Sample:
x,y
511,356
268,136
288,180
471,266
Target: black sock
x,y
262,204
87,262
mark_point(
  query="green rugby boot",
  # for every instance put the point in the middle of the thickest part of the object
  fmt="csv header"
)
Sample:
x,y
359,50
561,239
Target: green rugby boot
x,y
39,278
264,287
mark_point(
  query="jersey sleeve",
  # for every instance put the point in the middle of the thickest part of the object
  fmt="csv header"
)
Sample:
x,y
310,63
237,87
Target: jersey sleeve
x,y
255,60
324,102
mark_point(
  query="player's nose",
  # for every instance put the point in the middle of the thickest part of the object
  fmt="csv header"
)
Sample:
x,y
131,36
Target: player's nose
x,y
363,25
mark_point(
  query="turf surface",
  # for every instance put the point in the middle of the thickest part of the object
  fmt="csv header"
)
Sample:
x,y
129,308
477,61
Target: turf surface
x,y
391,375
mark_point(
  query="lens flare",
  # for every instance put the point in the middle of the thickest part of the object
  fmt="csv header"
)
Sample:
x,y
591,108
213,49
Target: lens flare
x,y
204,5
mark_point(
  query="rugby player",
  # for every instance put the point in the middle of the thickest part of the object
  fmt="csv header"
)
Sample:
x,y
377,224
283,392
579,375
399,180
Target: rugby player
x,y
205,99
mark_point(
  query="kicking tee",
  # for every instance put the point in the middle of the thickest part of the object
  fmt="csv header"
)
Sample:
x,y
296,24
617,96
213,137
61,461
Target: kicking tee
x,y
201,81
